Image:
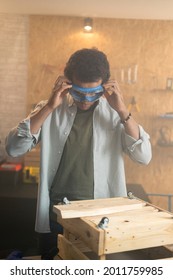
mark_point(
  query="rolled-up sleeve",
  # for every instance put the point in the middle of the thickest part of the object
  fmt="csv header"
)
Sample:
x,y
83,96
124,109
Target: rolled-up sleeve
x,y
23,130
20,140
138,150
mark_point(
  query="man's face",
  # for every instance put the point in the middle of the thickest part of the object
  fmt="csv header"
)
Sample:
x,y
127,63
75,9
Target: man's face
x,y
85,105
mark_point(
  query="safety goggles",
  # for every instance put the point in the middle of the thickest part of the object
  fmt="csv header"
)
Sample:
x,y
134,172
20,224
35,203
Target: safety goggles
x,y
81,94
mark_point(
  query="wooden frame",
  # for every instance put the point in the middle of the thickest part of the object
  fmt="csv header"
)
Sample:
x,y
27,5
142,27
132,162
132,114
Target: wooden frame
x,y
133,224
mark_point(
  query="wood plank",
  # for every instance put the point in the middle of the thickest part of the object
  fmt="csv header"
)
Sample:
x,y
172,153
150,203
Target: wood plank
x,y
93,237
78,243
136,229
67,251
115,218
136,215
131,233
94,207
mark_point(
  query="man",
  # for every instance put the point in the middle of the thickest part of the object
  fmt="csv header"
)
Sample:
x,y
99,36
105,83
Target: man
x,y
84,128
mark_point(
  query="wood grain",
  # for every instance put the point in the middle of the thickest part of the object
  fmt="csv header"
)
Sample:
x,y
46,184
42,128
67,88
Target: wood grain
x,y
96,207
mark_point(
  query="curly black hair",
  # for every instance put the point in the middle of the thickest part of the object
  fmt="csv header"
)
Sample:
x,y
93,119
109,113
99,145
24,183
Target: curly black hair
x,y
88,65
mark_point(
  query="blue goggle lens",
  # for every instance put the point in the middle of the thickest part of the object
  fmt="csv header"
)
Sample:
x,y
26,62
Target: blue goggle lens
x,y
86,94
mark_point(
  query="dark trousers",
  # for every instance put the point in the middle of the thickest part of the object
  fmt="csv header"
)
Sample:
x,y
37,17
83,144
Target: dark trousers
x,y
48,242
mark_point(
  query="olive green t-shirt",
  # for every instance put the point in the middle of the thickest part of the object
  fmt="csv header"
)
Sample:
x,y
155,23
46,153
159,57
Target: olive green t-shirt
x,y
75,176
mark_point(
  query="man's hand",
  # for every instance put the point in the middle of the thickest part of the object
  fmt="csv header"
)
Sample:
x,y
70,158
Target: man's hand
x,y
115,99
59,90
114,96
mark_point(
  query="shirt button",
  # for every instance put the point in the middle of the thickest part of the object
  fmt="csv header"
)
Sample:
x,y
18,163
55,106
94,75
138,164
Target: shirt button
x,y
65,132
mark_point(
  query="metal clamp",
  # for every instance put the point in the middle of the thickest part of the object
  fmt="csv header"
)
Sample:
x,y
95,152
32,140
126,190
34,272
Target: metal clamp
x,y
103,223
130,195
65,200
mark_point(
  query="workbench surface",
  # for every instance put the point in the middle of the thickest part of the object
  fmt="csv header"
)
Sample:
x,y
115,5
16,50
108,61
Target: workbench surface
x,y
131,224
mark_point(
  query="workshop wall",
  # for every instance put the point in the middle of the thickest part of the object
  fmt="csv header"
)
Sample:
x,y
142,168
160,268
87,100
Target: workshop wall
x,y
13,71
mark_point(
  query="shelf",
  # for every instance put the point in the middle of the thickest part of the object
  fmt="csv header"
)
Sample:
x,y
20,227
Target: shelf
x,y
162,90
162,145
166,116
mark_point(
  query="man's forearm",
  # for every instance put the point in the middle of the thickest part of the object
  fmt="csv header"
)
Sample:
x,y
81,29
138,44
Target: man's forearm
x,y
130,125
38,118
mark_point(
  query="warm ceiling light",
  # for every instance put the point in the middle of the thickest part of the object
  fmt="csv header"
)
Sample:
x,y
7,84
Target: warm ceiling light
x,y
88,24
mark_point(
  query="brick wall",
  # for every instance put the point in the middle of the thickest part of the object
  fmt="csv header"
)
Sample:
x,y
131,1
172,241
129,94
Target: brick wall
x,y
13,71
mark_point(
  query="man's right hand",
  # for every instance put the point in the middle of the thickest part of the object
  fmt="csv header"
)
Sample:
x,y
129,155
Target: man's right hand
x,y
59,90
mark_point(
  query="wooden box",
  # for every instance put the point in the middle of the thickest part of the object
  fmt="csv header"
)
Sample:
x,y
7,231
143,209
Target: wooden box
x,y
133,224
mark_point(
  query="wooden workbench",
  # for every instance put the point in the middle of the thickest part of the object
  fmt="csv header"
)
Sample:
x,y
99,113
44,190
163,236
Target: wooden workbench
x,y
133,224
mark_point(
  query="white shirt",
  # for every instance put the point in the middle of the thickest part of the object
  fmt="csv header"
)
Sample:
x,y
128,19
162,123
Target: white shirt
x,y
110,142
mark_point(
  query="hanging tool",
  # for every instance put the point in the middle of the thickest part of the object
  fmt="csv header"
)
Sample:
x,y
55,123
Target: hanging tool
x,y
133,105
